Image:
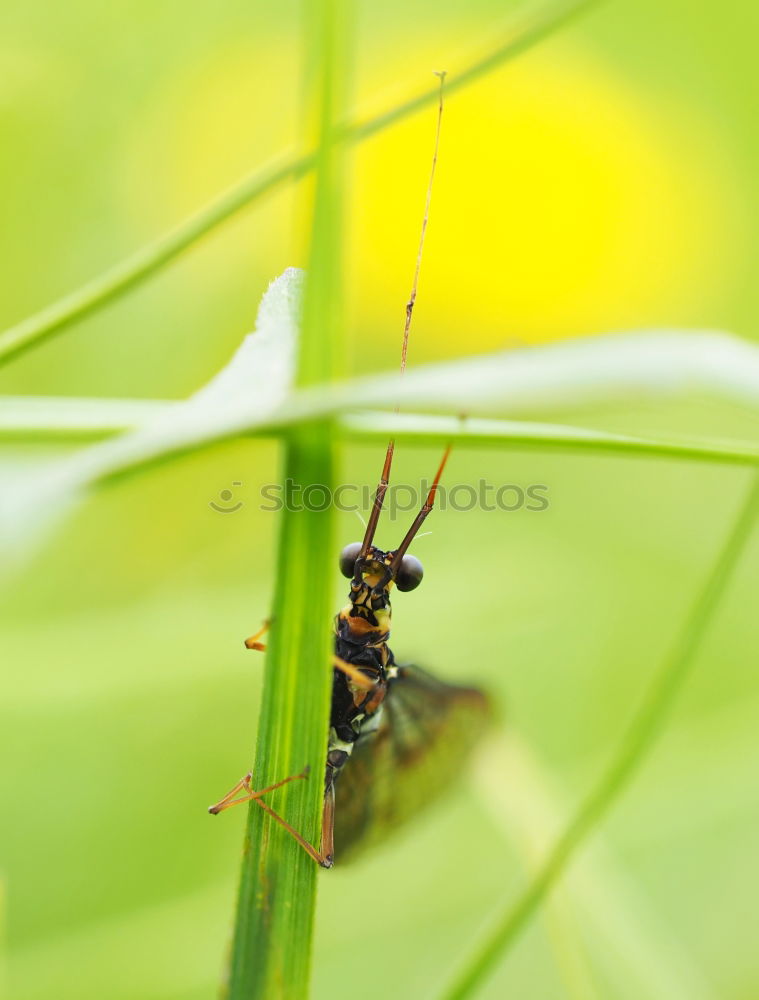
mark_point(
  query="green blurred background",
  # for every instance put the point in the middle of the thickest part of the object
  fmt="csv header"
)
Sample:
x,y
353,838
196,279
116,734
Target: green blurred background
x,y
604,181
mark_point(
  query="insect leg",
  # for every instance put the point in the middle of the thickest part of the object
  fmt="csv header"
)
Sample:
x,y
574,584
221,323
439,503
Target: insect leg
x,y
325,860
318,857
328,821
252,641
244,785
354,674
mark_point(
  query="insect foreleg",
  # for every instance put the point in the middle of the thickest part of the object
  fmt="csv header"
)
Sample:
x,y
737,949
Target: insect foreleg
x,y
252,641
356,676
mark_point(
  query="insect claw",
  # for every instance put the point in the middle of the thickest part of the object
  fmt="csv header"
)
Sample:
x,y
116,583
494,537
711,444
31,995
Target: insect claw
x,y
305,772
252,641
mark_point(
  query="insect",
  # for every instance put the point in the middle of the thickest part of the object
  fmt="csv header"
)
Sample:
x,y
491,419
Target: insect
x,y
398,736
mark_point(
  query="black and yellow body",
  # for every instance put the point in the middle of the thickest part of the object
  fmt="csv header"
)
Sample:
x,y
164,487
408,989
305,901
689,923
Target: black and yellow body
x,y
362,629
398,736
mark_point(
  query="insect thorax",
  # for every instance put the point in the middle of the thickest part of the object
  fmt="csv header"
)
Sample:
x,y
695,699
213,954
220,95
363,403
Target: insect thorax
x,y
369,597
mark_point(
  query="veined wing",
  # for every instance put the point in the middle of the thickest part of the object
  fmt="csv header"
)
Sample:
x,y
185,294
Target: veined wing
x,y
425,737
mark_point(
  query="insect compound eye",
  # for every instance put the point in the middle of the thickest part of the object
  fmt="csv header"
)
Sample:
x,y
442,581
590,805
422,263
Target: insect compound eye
x,y
409,574
348,558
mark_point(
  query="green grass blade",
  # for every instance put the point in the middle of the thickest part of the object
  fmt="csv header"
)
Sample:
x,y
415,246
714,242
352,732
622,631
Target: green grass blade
x,y
49,419
271,949
251,397
147,261
261,371
530,28
72,418
275,909
426,429
526,804
538,381
630,755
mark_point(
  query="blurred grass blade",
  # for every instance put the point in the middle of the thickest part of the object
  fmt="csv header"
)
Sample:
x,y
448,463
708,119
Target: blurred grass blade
x,y
426,429
271,951
72,418
48,419
524,28
513,801
528,382
635,744
529,28
251,396
260,373
619,367
637,948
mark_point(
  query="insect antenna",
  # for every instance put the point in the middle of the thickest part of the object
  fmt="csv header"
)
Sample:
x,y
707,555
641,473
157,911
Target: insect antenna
x,y
426,507
379,496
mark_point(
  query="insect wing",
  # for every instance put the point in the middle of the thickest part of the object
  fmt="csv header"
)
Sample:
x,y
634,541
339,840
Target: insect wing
x,y
427,731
